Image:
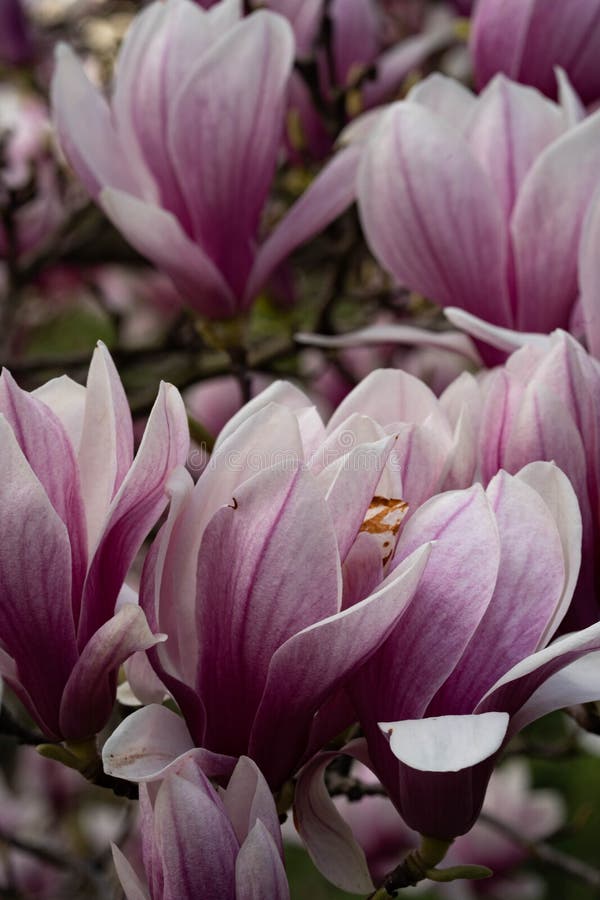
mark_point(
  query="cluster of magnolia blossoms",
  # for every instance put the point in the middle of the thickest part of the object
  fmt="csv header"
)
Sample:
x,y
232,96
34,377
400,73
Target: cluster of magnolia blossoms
x,y
289,593
419,571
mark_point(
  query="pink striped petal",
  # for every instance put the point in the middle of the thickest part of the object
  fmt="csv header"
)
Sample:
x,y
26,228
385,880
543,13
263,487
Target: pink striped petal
x,y
589,275
105,451
86,131
248,592
330,194
89,694
546,227
313,664
36,616
259,870
135,508
509,129
157,234
241,123
328,838
130,882
439,231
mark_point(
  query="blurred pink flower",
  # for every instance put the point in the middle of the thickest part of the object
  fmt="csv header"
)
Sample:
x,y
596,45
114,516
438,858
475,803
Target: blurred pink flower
x,y
527,39
480,202
183,158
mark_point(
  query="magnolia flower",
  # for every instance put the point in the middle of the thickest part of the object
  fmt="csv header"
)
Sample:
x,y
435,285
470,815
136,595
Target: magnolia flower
x,y
183,157
466,200
76,508
527,39
272,574
544,403
470,663
200,843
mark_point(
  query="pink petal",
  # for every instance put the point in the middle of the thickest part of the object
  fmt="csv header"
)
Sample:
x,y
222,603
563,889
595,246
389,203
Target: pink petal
x,y
246,582
282,392
51,456
248,800
135,509
555,489
269,437
589,275
444,767
449,603
36,616
546,226
193,837
446,97
304,17
509,129
503,338
352,481
159,50
330,194
156,234
89,694
313,664
130,882
85,130
328,838
396,334
578,682
397,63
105,451
259,870
439,231
512,692
66,399
145,743
355,29
527,593
446,743
227,162
390,397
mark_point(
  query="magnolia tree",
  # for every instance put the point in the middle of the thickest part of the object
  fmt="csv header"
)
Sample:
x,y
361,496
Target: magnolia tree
x,y
300,442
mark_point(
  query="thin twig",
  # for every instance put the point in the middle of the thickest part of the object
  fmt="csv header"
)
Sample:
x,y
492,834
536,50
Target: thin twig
x,y
544,852
55,858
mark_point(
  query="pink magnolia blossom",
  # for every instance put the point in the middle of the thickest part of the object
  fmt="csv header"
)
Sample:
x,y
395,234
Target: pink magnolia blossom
x,y
271,576
183,156
471,662
527,39
76,508
480,202
200,843
544,403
